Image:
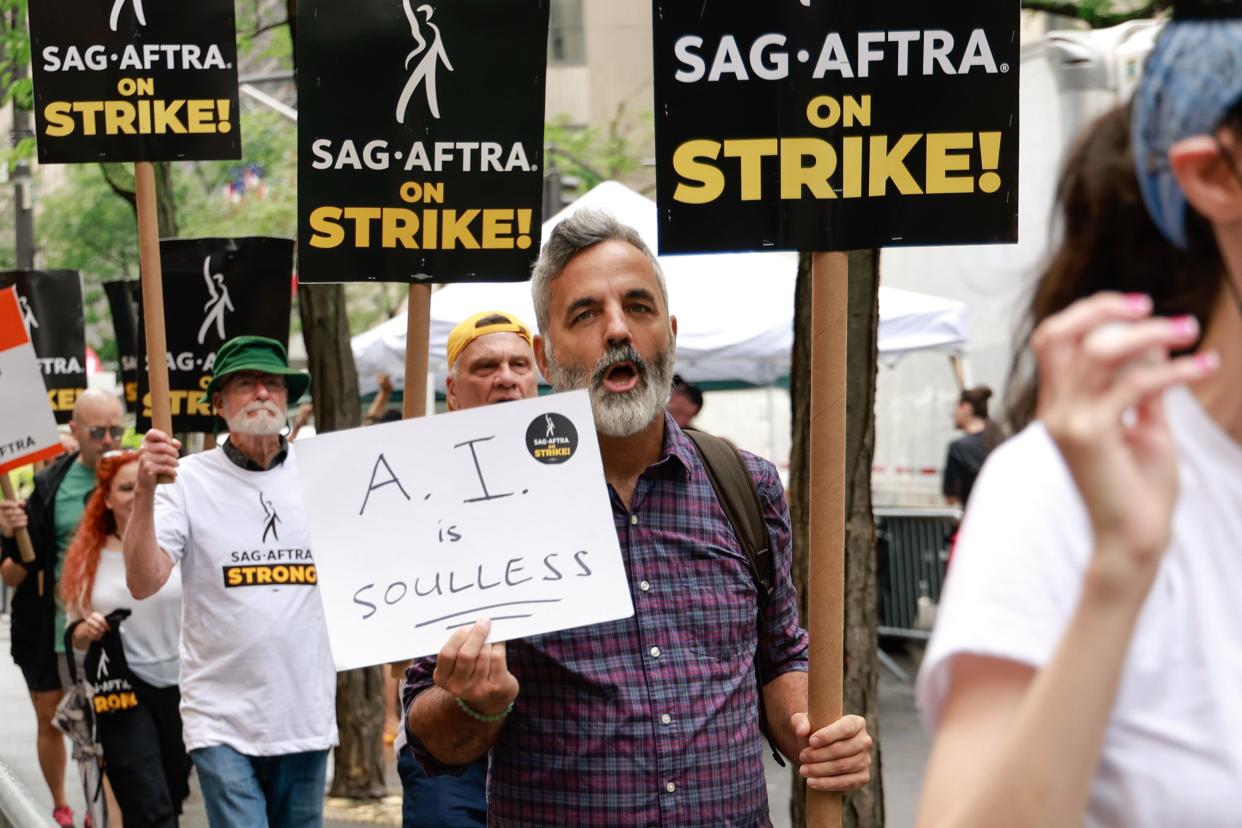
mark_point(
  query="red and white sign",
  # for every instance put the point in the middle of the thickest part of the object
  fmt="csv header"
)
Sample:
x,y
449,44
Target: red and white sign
x,y
27,425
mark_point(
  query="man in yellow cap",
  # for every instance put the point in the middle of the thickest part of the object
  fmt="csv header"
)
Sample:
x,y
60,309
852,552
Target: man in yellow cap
x,y
490,360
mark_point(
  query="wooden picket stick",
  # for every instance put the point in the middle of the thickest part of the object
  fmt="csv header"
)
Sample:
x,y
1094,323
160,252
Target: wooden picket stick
x,y
414,397
22,536
826,582
153,298
417,347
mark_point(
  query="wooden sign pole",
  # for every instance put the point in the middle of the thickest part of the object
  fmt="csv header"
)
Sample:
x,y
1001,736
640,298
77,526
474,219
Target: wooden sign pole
x,y
414,397
417,346
826,583
152,297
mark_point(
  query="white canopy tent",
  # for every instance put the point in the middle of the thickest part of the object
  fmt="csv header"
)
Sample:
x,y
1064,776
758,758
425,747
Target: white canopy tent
x,y
734,310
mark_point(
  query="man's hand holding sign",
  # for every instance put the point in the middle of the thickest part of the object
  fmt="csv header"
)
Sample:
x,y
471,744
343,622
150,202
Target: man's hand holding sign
x,y
474,692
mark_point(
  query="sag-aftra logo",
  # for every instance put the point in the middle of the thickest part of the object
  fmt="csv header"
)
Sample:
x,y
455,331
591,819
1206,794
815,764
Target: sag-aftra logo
x,y
271,567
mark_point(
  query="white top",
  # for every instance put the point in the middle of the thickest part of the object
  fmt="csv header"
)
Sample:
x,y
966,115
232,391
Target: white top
x,y
1172,752
152,633
256,671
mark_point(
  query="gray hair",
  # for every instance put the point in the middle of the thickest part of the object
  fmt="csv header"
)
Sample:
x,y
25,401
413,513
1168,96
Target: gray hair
x,y
585,228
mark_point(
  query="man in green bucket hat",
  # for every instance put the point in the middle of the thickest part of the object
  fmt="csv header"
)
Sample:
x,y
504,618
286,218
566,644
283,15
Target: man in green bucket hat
x,y
257,354
257,679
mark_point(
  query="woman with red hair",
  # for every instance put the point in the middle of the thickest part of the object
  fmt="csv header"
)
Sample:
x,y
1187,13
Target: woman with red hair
x,y
144,755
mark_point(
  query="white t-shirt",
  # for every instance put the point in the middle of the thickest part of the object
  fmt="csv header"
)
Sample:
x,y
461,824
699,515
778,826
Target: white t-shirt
x,y
151,635
1172,752
256,671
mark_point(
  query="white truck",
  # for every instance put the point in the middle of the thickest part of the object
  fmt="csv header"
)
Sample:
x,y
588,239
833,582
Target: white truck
x,y
1068,78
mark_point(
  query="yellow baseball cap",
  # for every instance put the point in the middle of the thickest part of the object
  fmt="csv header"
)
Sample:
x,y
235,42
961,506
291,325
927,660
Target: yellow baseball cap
x,y
482,324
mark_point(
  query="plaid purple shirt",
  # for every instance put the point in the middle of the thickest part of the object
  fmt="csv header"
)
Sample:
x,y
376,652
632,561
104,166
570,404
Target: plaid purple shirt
x,y
654,719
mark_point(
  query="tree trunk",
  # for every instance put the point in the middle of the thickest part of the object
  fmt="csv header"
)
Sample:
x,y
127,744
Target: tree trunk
x,y
165,195
334,379
334,387
864,809
165,200
800,475
359,758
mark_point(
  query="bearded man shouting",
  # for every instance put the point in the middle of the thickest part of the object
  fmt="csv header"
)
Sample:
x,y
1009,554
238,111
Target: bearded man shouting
x,y
652,720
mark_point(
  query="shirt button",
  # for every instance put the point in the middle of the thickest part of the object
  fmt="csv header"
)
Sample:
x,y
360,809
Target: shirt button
x,y
666,719
670,787
644,586
633,520
655,652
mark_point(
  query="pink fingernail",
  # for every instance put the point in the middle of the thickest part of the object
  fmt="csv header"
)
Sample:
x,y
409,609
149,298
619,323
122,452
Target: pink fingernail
x,y
1185,325
1208,361
1138,301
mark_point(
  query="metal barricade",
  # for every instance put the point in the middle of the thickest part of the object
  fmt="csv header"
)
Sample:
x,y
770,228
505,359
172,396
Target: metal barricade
x,y
18,807
912,551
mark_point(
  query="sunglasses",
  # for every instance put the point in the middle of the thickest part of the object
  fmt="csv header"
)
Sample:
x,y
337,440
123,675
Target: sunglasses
x,y
98,432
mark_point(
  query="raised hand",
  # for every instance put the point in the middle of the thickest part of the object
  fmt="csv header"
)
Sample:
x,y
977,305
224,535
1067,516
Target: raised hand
x,y
1103,367
157,456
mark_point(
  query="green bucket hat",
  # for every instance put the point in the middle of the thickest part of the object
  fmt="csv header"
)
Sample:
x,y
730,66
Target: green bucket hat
x,y
257,353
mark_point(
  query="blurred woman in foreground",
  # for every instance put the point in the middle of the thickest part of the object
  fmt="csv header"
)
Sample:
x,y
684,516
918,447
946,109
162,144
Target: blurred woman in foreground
x,y
1085,666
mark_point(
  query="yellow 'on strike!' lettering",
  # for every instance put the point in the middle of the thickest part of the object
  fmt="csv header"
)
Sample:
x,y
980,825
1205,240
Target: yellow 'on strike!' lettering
x,y
143,117
815,169
428,229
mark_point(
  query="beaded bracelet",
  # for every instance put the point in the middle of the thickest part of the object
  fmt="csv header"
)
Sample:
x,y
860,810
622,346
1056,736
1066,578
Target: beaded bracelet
x,y
474,714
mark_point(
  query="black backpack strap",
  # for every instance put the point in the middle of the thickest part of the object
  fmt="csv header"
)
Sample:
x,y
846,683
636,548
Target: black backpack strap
x,y
739,498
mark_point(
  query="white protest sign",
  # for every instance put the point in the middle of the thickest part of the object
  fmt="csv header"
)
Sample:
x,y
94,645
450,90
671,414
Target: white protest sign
x,y
27,425
420,527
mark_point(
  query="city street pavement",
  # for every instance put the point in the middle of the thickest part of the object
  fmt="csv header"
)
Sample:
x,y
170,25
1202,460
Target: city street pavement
x,y
904,743
17,750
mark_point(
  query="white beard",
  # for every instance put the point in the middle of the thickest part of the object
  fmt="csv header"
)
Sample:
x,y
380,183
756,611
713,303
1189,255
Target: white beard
x,y
626,414
268,419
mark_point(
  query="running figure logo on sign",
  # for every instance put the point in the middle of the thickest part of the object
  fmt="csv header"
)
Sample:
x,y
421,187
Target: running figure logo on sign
x,y
28,317
217,305
116,13
269,513
425,71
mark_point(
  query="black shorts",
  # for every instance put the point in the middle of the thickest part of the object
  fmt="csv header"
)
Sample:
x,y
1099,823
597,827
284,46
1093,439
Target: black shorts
x,y
45,673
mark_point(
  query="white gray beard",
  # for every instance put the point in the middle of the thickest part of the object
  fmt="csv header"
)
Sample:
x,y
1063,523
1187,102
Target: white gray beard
x,y
241,423
619,415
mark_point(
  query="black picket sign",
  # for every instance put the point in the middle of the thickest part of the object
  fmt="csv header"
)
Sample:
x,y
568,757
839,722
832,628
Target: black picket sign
x,y
123,302
135,80
51,306
816,125
420,139
214,290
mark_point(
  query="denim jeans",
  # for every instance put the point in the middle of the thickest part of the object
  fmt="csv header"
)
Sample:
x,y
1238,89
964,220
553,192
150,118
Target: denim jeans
x,y
260,791
442,801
